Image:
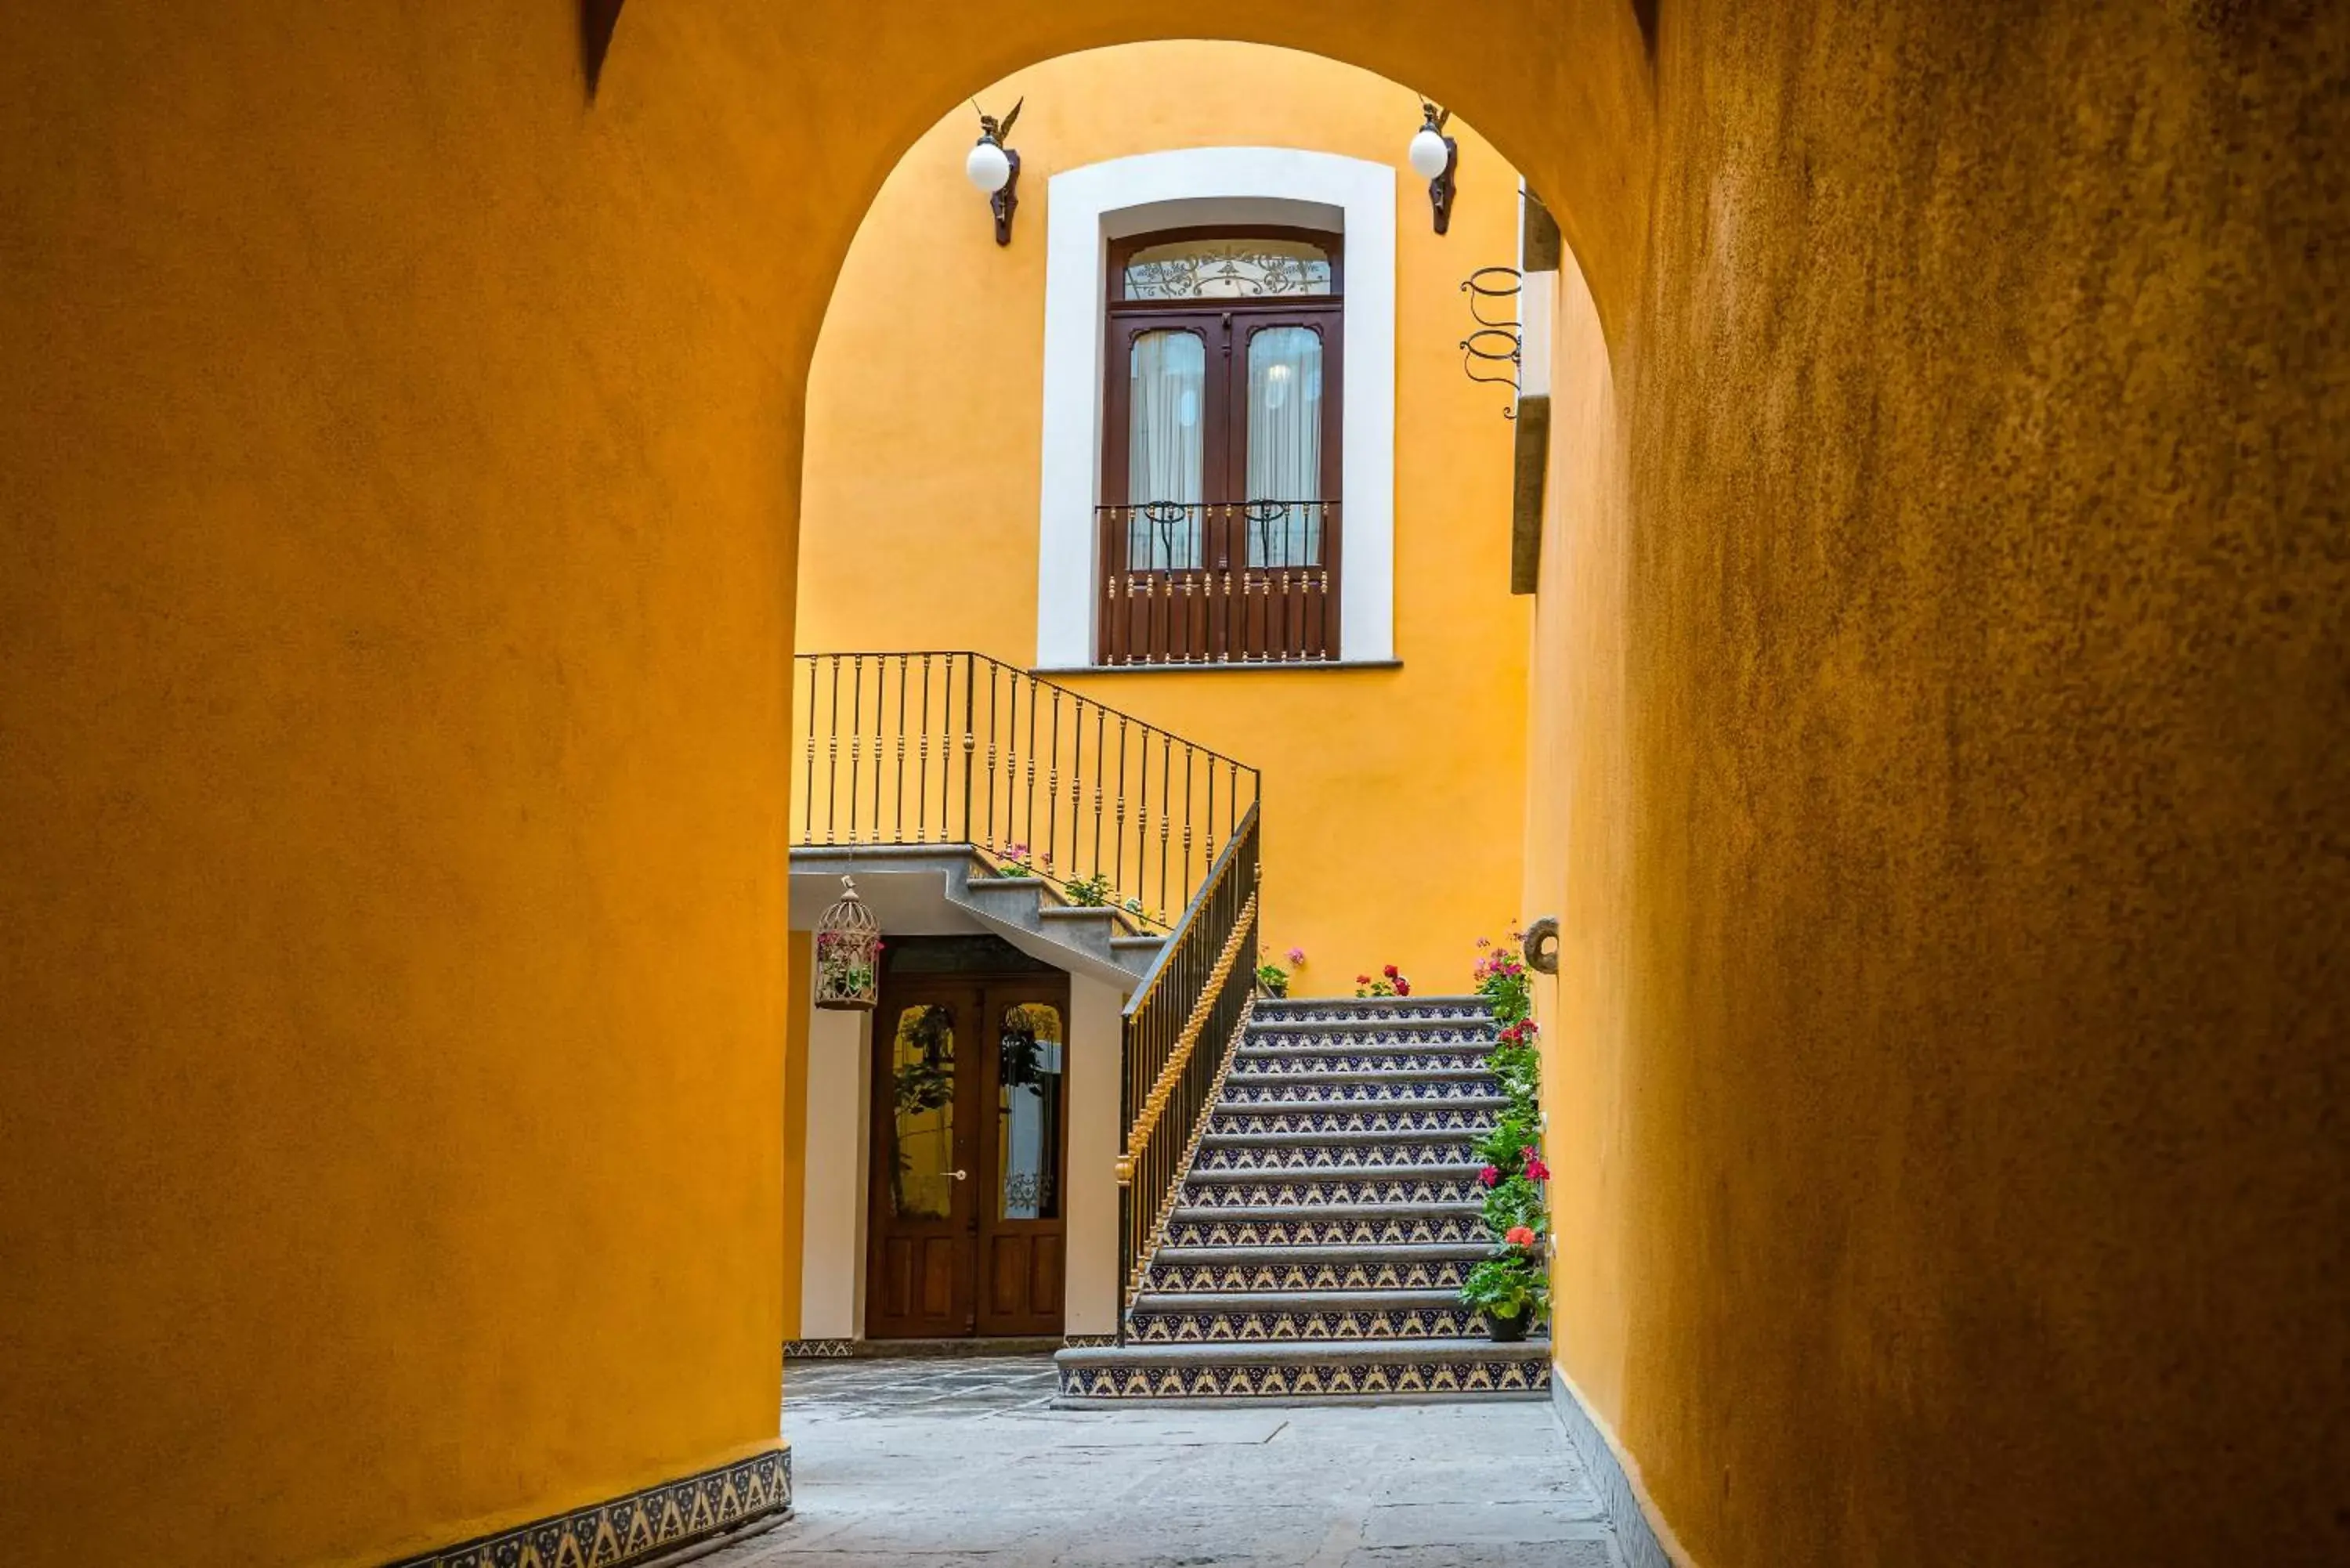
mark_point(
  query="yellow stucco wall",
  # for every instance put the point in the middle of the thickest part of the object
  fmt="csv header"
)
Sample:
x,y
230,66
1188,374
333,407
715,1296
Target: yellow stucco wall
x,y
399,475
1391,796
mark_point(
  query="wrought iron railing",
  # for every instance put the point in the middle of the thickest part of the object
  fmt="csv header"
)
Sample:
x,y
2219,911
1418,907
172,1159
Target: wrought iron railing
x,y
958,748
1249,582
1179,1028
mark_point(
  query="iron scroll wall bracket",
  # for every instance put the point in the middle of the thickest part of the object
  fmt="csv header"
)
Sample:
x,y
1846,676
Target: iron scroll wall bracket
x,y
1494,351
1006,202
1442,190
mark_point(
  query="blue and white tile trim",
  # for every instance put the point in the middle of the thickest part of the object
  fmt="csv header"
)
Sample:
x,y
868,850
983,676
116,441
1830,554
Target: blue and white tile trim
x,y
634,1528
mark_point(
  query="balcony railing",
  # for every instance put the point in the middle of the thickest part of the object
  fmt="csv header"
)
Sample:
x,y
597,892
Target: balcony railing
x,y
957,748
1252,582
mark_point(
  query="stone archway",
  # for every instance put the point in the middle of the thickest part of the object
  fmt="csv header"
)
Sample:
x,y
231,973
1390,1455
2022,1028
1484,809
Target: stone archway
x,y
399,487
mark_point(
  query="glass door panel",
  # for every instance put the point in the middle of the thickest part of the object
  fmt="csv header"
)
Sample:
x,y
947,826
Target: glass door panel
x,y
1283,438
1029,1112
922,1167
1167,425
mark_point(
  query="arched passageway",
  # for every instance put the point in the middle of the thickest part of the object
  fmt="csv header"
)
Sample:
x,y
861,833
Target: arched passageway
x,y
400,469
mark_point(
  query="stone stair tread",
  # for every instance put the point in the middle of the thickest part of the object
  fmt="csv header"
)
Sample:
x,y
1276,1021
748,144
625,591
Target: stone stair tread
x,y
1201,1214
1348,1136
1463,1171
1534,1347
1325,1252
1321,1301
1357,1077
1362,1107
1345,1040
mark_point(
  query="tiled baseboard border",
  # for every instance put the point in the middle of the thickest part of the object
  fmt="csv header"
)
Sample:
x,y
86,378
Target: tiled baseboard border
x,y
819,1349
1636,1532
634,1528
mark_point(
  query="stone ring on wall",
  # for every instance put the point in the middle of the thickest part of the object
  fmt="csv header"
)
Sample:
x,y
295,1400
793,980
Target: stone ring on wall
x,y
1542,945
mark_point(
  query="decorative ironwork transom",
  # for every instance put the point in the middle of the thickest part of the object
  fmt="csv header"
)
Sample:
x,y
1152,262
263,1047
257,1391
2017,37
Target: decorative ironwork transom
x,y
1232,269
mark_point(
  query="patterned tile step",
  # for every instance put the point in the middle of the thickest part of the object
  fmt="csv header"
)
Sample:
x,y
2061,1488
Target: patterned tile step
x,y
1436,1037
1360,1138
1244,1117
1346,1009
1239,1152
1319,1063
1358,1184
1460,1368
1175,1319
1327,1225
1422,1267
1378,1086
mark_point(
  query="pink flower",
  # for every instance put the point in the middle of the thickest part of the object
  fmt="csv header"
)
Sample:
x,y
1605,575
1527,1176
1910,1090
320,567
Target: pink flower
x,y
1490,1175
1297,957
1518,1236
1535,1170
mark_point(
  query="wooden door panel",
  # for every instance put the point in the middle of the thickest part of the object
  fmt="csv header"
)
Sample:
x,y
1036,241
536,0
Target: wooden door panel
x,y
1024,1144
920,1215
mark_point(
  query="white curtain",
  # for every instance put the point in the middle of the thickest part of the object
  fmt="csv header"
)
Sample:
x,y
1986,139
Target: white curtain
x,y
1163,461
1285,446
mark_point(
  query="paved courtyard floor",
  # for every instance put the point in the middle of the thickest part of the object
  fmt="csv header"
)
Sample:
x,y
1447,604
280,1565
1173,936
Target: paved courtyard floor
x,y
961,1464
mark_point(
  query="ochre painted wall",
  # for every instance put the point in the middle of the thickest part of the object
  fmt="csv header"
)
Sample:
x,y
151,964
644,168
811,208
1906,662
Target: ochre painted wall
x,y
396,464
1939,694
1391,796
399,470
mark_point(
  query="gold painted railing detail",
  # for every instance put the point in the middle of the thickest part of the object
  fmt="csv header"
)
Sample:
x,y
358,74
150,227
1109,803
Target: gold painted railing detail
x,y
1162,1088
1198,990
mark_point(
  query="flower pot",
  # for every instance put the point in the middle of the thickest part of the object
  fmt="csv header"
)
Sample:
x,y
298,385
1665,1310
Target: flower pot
x,y
1506,1330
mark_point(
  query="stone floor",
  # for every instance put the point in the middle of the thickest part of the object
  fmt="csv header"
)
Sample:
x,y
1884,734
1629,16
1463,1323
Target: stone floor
x,y
961,1464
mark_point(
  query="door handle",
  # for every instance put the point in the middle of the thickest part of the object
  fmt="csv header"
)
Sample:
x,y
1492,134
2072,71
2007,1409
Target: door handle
x,y
960,1175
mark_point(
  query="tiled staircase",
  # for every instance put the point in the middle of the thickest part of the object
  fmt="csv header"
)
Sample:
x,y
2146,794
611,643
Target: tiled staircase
x,y
1322,1230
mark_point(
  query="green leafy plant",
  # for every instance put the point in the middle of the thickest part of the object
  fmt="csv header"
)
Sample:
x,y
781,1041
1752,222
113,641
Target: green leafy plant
x,y
1013,862
1092,892
1512,1284
1273,978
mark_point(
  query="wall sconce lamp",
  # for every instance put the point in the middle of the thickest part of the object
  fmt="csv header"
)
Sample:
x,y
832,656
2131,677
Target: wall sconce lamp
x,y
1434,156
995,168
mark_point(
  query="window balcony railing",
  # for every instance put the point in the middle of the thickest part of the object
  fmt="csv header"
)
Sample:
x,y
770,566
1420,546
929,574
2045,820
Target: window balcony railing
x,y
1243,582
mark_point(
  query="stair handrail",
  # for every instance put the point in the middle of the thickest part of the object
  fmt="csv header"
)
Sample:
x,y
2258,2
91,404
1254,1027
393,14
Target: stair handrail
x,y
950,746
1199,987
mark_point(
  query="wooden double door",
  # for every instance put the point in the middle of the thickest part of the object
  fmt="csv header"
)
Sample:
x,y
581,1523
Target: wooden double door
x,y
970,1143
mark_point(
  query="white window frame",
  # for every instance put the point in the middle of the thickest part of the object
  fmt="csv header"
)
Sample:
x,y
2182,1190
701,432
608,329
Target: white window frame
x,y
1087,207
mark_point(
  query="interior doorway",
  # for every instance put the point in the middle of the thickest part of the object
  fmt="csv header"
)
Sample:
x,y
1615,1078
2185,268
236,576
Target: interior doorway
x,y
970,1139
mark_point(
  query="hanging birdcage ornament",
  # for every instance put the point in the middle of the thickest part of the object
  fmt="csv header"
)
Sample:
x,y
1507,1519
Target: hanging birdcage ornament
x,y
847,953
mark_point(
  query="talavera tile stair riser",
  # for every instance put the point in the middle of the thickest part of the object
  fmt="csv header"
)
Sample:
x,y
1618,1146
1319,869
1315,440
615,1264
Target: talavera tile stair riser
x,y
1328,1218
1392,1121
1249,1229
1145,1380
1259,1189
1214,1156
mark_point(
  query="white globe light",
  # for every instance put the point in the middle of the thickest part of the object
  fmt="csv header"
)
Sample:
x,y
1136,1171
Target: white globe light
x,y
1428,154
989,169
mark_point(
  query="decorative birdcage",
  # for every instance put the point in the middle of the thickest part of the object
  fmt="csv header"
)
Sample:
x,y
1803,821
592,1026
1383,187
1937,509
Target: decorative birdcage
x,y
847,953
